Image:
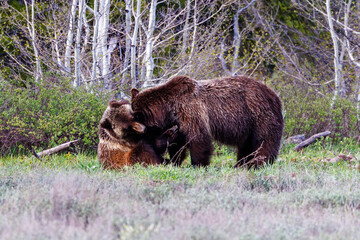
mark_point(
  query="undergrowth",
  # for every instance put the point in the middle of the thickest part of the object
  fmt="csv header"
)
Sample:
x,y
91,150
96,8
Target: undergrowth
x,y
46,114
72,196
222,162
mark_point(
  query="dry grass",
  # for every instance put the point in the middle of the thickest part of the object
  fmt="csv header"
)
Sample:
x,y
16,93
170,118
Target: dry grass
x,y
68,197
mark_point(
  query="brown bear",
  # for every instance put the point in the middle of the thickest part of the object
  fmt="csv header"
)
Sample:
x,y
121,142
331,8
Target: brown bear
x,y
123,142
236,111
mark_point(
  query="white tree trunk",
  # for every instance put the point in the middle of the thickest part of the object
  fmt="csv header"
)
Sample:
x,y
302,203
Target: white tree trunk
x,y
32,33
103,32
70,36
134,44
140,50
348,46
94,70
37,59
222,59
87,30
337,56
128,9
57,52
77,80
237,38
350,54
358,96
236,43
148,59
112,45
186,27
194,30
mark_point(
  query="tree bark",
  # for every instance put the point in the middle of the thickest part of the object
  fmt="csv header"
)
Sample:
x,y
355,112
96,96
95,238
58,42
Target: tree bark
x,y
104,28
358,97
186,28
134,44
346,21
31,28
87,29
222,59
236,43
194,31
128,9
70,36
57,52
338,57
94,69
77,80
148,59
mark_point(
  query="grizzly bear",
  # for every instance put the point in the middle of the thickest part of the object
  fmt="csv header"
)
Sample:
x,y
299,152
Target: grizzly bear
x,y
236,111
123,142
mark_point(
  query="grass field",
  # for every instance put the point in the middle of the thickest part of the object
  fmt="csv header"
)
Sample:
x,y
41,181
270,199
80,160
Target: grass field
x,y
72,197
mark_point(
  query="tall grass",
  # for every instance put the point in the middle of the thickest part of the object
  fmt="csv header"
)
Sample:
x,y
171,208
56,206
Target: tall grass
x,y
72,197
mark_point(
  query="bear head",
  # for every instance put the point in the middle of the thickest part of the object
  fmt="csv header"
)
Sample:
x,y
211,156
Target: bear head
x,y
118,127
154,107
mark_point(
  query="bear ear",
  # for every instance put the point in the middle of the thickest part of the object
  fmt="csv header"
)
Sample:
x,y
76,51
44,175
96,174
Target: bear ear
x,y
138,127
106,124
115,104
134,92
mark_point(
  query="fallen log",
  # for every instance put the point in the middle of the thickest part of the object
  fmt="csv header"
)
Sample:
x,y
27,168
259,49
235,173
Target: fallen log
x,y
295,139
310,140
55,149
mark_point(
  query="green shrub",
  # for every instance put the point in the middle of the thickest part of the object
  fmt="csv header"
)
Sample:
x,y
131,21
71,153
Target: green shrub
x,y
306,112
48,114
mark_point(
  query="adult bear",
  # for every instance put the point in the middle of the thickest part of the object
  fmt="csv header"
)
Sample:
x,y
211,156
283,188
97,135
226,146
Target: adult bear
x,y
123,141
236,111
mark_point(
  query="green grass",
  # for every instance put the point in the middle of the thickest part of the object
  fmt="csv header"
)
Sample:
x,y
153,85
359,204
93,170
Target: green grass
x,y
71,196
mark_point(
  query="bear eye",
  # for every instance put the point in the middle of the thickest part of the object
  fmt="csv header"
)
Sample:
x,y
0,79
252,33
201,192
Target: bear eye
x,y
139,117
106,124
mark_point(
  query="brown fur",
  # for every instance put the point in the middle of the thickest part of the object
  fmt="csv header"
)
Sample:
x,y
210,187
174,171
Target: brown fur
x,y
236,111
122,139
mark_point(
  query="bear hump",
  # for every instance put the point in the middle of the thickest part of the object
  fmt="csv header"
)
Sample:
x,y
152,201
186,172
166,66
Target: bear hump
x,y
175,88
181,85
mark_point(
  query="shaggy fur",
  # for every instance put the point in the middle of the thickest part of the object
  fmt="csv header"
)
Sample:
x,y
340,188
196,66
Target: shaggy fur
x,y
122,139
236,111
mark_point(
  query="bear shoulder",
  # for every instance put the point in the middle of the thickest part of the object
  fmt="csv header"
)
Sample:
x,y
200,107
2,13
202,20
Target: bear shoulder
x,y
175,88
181,85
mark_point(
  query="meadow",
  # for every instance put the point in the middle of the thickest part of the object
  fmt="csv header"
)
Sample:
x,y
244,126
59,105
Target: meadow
x,y
70,196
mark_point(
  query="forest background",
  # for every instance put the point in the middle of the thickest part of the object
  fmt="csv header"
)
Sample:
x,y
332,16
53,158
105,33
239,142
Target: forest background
x,y
62,60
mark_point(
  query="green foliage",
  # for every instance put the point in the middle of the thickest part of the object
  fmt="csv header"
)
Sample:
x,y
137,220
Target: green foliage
x,y
288,14
48,114
307,113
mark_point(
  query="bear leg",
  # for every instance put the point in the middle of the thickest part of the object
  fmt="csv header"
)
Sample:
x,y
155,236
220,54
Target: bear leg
x,y
144,154
266,153
245,152
200,152
177,150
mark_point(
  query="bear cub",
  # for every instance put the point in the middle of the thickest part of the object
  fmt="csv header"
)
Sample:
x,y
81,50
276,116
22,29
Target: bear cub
x,y
123,141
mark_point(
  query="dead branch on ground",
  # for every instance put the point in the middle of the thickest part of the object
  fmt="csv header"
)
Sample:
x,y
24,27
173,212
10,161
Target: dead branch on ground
x,y
311,140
